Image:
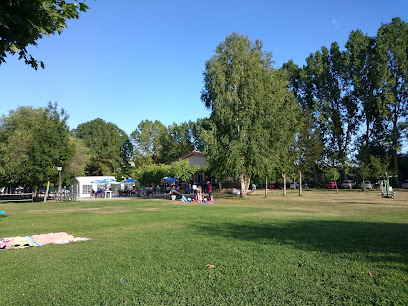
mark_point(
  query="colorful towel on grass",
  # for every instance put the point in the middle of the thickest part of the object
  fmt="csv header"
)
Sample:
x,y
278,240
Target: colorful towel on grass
x,y
38,240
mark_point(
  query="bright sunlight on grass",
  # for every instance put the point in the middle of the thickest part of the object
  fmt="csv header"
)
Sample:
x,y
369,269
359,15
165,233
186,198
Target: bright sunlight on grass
x,y
322,248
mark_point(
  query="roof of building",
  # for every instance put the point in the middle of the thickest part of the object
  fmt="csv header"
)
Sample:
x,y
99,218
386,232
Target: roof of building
x,y
191,154
188,155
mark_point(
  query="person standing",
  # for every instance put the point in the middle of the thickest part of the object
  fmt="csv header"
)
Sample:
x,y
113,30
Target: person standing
x,y
209,190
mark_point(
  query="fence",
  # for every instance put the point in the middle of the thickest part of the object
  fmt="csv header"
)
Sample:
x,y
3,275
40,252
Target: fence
x,y
17,197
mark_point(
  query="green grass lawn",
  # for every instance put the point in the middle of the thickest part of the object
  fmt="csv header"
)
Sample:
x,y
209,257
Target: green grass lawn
x,y
322,248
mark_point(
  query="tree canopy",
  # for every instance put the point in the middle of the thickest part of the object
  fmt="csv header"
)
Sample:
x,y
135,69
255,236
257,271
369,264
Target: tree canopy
x,y
34,143
358,98
110,147
23,22
252,110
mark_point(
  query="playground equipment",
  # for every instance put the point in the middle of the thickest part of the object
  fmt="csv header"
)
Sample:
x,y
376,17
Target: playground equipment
x,y
386,189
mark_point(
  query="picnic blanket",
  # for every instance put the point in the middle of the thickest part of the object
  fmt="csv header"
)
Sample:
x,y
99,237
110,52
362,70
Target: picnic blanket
x,y
38,240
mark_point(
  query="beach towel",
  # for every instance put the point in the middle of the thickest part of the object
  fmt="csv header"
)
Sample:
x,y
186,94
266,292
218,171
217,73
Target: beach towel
x,y
38,240
17,243
57,238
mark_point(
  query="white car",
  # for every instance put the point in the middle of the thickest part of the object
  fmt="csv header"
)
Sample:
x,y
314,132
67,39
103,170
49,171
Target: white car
x,y
367,185
347,184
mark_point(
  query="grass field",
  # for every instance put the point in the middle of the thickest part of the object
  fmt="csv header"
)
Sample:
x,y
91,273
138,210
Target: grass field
x,y
319,249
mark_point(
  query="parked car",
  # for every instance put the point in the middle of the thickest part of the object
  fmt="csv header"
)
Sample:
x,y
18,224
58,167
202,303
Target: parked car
x,y
367,185
294,185
405,184
331,185
347,184
276,186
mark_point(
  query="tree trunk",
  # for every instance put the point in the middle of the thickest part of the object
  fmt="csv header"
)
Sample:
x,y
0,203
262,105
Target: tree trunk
x,y
317,181
46,191
266,187
300,183
244,186
284,183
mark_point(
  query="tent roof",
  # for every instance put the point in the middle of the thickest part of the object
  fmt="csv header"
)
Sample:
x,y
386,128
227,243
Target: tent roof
x,y
88,179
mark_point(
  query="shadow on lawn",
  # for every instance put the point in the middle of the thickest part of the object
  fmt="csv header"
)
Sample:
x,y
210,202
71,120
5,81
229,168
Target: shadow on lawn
x,y
379,241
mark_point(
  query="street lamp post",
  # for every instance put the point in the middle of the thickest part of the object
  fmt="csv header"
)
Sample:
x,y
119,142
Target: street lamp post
x,y
59,186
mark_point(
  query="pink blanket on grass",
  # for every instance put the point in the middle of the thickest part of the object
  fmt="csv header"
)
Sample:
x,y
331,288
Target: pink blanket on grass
x,y
57,238
38,240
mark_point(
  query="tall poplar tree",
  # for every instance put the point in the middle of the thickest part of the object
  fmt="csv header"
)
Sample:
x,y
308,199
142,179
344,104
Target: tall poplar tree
x,y
252,111
392,50
332,96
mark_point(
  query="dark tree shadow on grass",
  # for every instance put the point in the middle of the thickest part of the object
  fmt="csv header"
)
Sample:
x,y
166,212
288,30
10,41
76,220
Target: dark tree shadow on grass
x,y
379,241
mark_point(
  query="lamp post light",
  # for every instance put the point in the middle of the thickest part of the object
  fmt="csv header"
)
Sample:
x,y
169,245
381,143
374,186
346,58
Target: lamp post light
x,y
59,186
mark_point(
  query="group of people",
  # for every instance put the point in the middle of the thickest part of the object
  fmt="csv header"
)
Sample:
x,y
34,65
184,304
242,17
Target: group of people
x,y
98,192
197,191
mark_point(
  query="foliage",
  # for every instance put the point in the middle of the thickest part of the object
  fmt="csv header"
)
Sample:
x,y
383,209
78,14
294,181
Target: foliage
x,y
23,23
79,160
110,147
155,143
181,169
360,60
151,174
34,143
392,52
357,98
147,142
332,174
177,141
251,111
336,108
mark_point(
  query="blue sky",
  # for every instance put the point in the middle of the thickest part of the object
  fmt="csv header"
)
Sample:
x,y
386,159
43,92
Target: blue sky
x,y
126,61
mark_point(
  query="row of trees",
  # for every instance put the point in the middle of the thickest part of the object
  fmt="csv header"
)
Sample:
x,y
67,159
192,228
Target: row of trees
x,y
37,141
354,102
343,108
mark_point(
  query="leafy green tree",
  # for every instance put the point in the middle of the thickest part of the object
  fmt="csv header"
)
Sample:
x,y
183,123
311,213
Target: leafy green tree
x,y
196,128
176,142
308,146
337,111
361,60
23,22
252,110
110,147
181,169
392,51
34,143
333,174
151,174
79,160
147,142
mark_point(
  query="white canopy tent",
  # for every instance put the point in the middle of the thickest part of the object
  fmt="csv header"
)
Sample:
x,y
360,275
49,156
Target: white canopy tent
x,y
82,185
